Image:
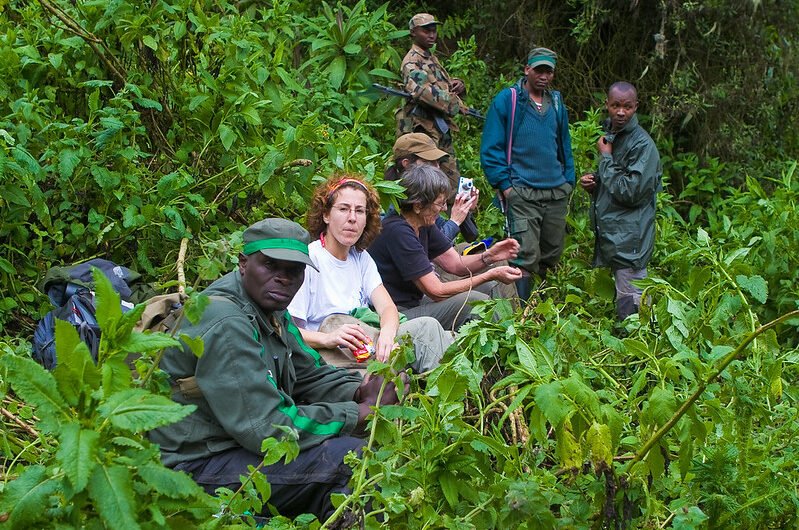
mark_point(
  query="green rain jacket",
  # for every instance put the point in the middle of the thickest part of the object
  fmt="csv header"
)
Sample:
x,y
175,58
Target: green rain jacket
x,y
623,203
255,373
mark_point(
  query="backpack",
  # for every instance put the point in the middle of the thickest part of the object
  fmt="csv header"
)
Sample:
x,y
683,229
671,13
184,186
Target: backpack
x,y
70,291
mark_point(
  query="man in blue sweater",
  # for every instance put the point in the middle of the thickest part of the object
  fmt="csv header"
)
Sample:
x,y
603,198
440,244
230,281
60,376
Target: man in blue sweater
x,y
526,155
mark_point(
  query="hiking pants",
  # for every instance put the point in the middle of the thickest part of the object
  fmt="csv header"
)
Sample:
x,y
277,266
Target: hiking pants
x,y
628,296
537,219
302,486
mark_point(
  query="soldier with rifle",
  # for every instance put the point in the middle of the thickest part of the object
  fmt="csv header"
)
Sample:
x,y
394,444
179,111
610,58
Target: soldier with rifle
x,y
435,97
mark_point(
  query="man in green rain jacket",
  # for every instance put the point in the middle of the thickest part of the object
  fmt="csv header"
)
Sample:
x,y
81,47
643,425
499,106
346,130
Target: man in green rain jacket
x,y
255,374
623,193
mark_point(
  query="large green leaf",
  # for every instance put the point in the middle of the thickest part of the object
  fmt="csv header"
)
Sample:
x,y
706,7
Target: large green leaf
x,y
77,454
37,387
600,444
583,395
111,489
754,285
175,484
661,406
449,486
68,159
109,310
567,448
548,398
146,342
24,497
526,358
227,136
137,410
116,374
75,369
337,69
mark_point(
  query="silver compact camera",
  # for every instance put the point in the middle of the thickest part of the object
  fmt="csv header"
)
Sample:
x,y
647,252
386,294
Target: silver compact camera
x,y
465,185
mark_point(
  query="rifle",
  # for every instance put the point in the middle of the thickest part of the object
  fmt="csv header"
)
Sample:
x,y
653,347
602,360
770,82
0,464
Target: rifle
x,y
402,94
503,207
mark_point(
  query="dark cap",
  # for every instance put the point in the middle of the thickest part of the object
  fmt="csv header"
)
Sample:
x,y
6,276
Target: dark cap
x,y
422,19
539,56
279,239
418,144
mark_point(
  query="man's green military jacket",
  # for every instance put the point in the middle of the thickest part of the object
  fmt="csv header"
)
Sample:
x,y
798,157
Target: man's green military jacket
x,y
255,373
623,203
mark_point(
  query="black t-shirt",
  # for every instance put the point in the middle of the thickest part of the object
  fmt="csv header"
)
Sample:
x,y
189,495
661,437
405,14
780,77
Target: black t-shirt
x,y
402,257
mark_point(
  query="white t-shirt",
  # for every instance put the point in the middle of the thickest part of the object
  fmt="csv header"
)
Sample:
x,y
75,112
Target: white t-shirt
x,y
338,287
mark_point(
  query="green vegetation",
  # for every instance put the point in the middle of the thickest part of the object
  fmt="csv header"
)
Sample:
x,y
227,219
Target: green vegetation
x,y
127,127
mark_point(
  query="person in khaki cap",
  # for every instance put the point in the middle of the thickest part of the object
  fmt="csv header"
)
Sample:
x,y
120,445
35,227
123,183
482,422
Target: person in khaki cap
x,y
255,375
436,98
418,148
526,156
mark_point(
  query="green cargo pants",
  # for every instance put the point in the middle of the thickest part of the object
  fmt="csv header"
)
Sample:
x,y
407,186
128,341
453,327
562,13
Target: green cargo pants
x,y
537,219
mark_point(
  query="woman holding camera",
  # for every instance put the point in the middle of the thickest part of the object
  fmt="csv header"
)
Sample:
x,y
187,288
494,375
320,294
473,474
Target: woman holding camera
x,y
410,240
344,217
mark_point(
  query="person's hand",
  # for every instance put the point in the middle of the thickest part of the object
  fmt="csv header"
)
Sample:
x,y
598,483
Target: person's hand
x,y
366,395
384,346
506,193
457,86
350,336
503,250
588,182
506,274
464,202
604,147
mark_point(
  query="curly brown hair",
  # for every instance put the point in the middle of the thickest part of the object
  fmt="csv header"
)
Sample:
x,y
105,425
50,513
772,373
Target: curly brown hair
x,y
324,197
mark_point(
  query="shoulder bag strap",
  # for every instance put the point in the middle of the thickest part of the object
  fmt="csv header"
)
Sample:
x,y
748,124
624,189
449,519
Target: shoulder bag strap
x,y
512,120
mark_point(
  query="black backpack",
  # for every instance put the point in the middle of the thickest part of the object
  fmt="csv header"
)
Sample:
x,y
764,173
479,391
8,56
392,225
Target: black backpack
x,y
70,291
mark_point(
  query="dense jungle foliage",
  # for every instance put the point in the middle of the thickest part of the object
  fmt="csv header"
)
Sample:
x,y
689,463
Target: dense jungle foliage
x,y
127,127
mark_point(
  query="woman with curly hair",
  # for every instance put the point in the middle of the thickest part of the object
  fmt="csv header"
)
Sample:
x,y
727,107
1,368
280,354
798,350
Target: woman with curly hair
x,y
344,218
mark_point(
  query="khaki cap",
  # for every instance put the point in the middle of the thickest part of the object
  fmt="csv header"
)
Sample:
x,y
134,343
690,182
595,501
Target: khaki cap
x,y
279,239
422,19
418,144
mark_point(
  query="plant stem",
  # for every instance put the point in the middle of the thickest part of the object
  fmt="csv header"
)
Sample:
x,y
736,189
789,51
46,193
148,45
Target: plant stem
x,y
184,245
753,502
360,482
21,424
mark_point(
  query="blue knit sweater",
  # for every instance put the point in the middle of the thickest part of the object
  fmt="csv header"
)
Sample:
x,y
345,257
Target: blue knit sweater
x,y
541,155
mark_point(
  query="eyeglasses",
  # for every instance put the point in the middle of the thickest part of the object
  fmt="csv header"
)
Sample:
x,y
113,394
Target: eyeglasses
x,y
346,210
440,206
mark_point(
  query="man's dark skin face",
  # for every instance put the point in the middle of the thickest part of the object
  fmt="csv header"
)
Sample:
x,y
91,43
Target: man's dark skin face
x,y
270,283
538,78
621,105
424,36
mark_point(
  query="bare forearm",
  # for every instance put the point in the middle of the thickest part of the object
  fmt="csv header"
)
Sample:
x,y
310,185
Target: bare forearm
x,y
314,339
389,321
444,290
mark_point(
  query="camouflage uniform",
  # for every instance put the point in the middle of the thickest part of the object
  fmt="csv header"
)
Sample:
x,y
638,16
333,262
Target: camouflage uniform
x,y
429,84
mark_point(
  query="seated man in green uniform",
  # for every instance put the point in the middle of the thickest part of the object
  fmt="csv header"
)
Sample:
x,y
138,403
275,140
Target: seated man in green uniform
x,y
255,374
